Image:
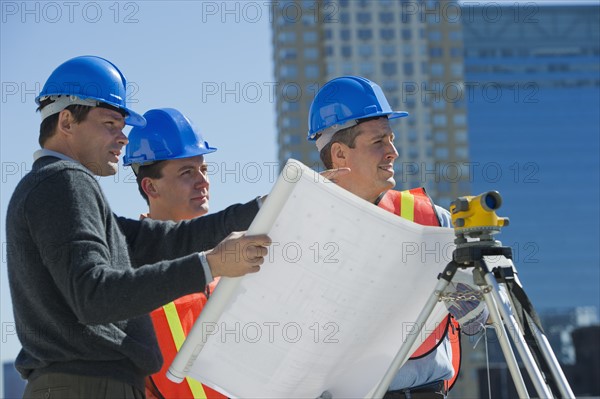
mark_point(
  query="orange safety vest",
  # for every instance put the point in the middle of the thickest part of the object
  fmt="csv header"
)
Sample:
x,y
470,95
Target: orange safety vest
x,y
172,323
416,206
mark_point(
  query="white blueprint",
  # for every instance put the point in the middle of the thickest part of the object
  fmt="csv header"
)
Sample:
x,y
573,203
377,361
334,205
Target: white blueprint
x,y
338,294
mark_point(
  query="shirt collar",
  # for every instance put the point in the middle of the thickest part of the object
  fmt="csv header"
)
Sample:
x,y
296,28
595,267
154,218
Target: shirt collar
x,y
49,153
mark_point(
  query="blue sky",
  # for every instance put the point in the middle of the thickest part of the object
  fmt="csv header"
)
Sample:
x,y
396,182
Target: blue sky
x,y
211,63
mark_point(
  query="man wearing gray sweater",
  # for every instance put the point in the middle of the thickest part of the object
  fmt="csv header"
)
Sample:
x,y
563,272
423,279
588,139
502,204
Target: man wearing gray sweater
x,y
83,280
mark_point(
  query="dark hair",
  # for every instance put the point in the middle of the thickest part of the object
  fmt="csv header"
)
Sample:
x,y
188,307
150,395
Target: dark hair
x,y
48,125
80,112
153,171
345,136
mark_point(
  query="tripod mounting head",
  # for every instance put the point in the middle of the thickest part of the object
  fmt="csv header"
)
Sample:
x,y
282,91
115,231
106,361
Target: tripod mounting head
x,y
475,216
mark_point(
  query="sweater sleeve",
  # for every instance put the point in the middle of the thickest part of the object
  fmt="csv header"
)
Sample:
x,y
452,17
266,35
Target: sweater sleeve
x,y
87,257
152,241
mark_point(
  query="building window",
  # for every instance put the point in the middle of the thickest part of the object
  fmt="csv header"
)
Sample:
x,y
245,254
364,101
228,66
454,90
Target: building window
x,y
291,122
440,137
436,69
460,136
406,34
439,105
287,37
461,153
365,50
290,106
460,119
386,17
291,139
346,51
435,35
413,153
311,53
389,68
408,68
387,33
287,54
457,69
308,20
440,120
441,153
289,71
309,37
363,17
311,71
456,35
345,18
388,50
365,34
412,136
389,85
436,52
345,34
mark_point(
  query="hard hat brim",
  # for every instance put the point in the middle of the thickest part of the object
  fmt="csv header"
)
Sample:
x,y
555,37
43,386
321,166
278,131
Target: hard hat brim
x,y
134,119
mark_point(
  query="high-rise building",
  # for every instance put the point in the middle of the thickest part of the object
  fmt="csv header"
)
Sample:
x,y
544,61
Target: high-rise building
x,y
413,50
532,73
532,82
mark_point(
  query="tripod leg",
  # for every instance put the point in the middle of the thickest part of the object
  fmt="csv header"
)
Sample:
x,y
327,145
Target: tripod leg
x,y
550,358
511,361
518,339
530,324
403,355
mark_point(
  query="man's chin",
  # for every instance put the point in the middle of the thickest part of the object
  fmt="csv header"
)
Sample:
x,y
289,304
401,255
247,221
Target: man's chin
x,y
110,169
391,183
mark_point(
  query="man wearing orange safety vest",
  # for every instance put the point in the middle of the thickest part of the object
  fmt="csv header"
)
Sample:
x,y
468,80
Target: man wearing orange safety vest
x,y
349,120
168,159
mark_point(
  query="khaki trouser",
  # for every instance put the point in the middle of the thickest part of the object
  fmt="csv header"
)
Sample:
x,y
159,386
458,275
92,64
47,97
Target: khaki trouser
x,y
70,386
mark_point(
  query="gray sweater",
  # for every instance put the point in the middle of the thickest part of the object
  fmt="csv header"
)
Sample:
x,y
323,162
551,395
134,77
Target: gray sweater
x,y
83,280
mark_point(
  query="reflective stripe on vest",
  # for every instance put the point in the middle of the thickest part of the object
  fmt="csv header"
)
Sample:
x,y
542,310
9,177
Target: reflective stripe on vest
x,y
416,206
172,323
178,338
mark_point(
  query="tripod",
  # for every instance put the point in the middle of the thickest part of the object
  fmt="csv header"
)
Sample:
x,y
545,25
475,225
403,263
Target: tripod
x,y
491,265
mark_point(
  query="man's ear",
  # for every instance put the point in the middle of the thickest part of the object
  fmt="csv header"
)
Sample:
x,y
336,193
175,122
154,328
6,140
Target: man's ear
x,y
339,155
149,187
65,122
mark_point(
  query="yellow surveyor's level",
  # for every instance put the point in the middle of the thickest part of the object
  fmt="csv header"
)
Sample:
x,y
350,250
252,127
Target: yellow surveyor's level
x,y
475,213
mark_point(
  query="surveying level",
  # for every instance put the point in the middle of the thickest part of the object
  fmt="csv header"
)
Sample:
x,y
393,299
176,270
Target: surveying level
x,y
476,216
475,222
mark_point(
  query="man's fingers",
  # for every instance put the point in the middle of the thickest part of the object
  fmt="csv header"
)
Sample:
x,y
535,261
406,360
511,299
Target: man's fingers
x,y
259,240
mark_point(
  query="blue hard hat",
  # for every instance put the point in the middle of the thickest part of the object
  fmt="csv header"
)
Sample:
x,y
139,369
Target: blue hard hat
x,y
168,134
89,78
341,102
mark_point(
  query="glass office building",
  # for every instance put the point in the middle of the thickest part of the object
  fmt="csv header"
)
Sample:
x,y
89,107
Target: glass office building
x,y
532,81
